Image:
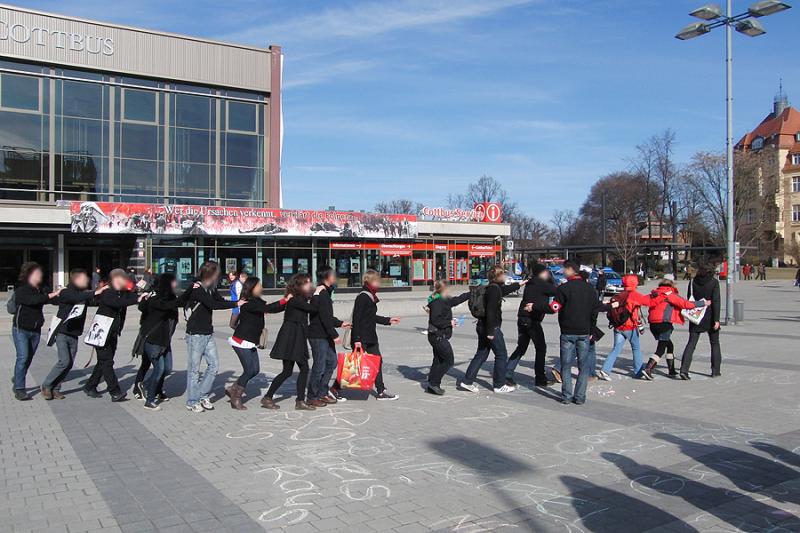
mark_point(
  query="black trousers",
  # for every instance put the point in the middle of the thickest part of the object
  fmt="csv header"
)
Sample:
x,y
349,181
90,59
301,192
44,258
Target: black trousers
x,y
716,351
286,373
104,369
528,331
443,359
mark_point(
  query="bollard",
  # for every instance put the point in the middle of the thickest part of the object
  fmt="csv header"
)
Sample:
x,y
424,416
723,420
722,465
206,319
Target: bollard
x,y
738,311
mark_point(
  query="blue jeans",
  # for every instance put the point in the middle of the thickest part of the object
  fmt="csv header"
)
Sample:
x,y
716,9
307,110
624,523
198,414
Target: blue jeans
x,y
67,348
592,359
325,362
498,347
248,357
25,343
620,337
161,366
574,347
200,347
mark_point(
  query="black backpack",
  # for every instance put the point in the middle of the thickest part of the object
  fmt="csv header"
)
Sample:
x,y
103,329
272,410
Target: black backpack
x,y
620,315
477,301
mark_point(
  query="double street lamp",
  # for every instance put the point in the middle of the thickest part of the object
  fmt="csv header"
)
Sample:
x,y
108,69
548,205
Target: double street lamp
x,y
747,23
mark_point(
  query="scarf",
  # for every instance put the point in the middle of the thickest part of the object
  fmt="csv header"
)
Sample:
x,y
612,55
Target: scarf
x,y
434,296
372,291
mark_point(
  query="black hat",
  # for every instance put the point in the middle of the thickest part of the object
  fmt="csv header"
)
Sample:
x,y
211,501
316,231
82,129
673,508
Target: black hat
x,y
537,269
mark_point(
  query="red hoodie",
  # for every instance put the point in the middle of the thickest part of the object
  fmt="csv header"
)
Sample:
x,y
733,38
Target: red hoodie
x,y
666,306
635,300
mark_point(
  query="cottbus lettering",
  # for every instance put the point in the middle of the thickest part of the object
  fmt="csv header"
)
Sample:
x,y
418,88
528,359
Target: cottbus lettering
x,y
76,42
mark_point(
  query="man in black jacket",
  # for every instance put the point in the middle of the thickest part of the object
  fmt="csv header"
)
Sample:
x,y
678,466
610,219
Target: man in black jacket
x,y
490,336
72,303
704,286
322,336
576,318
534,305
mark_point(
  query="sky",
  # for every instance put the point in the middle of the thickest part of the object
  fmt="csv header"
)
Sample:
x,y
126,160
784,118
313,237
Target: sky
x,y
387,99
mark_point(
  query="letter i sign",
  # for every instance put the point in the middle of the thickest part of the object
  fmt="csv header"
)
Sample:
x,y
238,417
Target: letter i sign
x,y
492,212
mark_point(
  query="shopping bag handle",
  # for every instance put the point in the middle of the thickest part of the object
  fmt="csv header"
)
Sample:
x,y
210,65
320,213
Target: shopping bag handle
x,y
358,348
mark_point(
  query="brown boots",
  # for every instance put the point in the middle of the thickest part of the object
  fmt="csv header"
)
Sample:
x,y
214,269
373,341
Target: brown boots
x,y
267,403
647,371
235,393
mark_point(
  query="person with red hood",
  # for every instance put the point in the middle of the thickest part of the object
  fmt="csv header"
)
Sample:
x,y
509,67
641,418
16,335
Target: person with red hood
x,y
665,310
628,331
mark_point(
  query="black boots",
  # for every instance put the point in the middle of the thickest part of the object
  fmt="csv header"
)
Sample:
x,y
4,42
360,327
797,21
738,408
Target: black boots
x,y
671,366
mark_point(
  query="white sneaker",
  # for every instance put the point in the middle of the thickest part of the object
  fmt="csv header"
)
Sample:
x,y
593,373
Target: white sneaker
x,y
504,389
196,408
469,388
207,405
602,374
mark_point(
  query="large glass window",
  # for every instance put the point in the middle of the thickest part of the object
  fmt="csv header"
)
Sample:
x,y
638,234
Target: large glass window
x,y
139,106
20,92
348,267
291,261
242,116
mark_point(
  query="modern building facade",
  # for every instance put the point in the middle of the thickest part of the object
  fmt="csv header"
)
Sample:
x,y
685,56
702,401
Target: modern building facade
x,y
777,141
129,147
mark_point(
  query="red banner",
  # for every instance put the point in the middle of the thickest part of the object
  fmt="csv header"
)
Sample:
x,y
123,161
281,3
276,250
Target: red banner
x,y
107,217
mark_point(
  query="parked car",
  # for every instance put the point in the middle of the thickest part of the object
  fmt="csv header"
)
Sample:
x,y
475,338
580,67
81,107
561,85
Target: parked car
x,y
557,271
613,281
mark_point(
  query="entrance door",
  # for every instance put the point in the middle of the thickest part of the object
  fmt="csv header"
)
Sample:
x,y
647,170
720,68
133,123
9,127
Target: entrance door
x,y
108,260
440,265
80,259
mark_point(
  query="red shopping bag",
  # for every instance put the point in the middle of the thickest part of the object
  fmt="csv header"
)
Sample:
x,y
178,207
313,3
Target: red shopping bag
x,y
357,369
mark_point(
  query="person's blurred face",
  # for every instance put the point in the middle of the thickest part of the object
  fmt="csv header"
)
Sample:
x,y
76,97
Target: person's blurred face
x,y
243,277
331,279
569,272
307,287
501,278
174,285
35,277
375,284
445,292
544,275
231,276
258,289
81,280
119,283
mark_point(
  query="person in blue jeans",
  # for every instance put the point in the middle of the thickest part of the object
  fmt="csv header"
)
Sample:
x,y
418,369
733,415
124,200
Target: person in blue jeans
x,y
627,331
30,297
577,316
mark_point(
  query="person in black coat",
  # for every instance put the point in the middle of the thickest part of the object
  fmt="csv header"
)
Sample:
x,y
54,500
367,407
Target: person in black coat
x,y
30,296
246,338
534,305
72,305
490,336
291,343
322,336
704,286
364,329
157,326
440,330
112,303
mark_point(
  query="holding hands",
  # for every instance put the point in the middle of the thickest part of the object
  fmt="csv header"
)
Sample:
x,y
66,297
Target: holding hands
x,y
394,320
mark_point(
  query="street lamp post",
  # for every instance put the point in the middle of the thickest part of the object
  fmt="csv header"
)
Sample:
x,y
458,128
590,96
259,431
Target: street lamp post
x,y
746,23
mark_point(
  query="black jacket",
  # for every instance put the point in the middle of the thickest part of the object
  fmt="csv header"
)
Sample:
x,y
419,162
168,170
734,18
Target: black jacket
x,y
440,319
324,322
493,304
579,307
538,292
706,288
66,300
251,318
291,343
114,304
203,302
30,302
366,318
159,317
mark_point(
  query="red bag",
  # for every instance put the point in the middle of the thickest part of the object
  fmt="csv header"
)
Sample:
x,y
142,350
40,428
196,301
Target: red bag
x,y
357,369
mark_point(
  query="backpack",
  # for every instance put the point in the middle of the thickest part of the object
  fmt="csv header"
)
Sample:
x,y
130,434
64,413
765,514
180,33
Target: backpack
x,y
618,316
11,303
477,301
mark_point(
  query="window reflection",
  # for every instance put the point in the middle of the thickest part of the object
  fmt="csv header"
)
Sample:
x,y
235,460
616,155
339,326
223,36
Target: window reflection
x,y
243,150
139,141
241,116
139,105
21,131
19,92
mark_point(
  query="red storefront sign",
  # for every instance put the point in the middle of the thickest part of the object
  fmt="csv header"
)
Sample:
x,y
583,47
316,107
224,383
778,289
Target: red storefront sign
x,y
396,249
491,212
475,250
483,250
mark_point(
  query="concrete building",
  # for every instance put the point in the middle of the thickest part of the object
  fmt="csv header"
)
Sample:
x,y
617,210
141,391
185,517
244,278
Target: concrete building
x,y
777,140
129,147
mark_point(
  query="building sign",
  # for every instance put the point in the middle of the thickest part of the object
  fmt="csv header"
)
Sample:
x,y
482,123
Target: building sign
x,y
160,219
21,33
451,214
491,212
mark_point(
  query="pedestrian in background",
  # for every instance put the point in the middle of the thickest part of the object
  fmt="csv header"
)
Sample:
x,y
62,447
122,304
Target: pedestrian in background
x,y
704,286
29,297
237,282
96,278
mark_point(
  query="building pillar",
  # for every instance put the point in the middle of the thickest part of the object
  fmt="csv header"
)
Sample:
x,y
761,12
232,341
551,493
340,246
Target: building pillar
x,y
60,275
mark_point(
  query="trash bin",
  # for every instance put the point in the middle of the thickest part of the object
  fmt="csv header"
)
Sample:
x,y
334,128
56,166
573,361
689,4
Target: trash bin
x,y
738,311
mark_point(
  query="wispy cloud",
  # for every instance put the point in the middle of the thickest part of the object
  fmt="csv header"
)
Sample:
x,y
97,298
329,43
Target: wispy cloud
x,y
318,74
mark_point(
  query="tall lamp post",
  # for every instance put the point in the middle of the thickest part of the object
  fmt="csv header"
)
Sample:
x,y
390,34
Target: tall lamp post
x,y
746,23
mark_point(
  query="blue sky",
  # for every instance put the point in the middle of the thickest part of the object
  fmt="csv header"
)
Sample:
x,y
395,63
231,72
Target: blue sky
x,y
415,98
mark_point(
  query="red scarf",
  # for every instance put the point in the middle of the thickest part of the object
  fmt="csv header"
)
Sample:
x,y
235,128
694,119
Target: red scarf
x,y
373,291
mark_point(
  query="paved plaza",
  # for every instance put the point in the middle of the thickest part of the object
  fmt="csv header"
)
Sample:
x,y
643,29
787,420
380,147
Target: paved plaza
x,y
711,455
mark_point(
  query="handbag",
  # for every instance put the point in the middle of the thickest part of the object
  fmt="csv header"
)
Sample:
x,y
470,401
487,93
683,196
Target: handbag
x,y
357,369
695,315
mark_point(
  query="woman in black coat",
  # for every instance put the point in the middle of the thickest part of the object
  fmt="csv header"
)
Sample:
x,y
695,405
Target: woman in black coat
x,y
440,329
291,344
704,286
246,338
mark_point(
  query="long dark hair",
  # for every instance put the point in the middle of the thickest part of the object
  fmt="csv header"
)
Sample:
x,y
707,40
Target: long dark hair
x,y
247,288
26,270
295,285
164,285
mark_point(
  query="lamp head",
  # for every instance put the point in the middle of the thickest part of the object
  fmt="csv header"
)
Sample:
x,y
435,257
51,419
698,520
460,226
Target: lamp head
x,y
750,27
767,7
695,29
707,12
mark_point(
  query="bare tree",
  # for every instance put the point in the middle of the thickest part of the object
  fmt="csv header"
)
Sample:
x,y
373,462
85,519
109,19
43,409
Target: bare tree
x,y
486,189
530,232
563,225
399,207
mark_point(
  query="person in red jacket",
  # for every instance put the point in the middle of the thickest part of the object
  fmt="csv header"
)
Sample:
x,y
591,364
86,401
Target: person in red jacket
x,y
629,331
665,310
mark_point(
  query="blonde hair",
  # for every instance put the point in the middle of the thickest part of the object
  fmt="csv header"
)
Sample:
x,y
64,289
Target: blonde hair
x,y
495,272
666,283
440,286
371,276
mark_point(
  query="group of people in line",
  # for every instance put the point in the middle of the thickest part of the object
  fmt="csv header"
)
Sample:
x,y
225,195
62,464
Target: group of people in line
x,y
750,271
309,321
